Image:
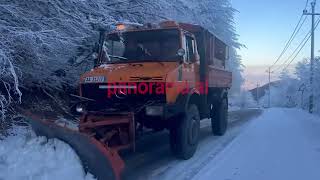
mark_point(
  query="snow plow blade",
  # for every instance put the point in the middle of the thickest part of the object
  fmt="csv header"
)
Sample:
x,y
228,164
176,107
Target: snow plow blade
x,y
103,162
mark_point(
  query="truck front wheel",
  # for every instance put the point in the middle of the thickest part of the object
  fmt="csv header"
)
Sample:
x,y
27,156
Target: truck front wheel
x,y
219,117
184,136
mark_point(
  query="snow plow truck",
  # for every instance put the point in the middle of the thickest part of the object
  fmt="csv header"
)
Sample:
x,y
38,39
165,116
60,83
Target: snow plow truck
x,y
165,76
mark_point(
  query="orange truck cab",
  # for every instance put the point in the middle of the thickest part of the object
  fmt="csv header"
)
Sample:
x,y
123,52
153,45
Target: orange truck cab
x,y
155,77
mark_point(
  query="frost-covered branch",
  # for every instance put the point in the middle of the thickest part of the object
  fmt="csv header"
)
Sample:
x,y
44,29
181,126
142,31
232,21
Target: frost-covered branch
x,y
49,43
45,38
9,86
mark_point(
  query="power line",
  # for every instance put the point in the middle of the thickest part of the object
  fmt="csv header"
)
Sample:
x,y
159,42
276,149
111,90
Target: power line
x,y
293,35
306,38
297,53
303,43
306,4
295,32
304,20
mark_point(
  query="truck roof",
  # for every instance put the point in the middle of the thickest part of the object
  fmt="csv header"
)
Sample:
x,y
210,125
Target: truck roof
x,y
134,27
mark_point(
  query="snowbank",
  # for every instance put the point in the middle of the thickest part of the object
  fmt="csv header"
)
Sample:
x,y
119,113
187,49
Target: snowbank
x,y
280,144
25,156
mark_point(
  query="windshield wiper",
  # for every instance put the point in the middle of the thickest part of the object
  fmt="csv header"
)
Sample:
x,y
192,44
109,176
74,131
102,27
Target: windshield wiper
x,y
118,57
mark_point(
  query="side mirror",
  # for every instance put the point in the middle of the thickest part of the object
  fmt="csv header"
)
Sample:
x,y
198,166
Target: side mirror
x,y
181,52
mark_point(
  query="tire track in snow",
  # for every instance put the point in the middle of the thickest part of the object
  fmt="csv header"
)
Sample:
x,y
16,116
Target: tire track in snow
x,y
153,159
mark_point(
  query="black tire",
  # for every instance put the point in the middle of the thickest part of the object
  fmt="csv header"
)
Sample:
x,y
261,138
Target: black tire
x,y
219,117
185,135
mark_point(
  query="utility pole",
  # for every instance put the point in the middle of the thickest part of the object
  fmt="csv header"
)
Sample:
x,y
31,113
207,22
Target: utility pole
x,y
269,93
313,14
257,94
302,88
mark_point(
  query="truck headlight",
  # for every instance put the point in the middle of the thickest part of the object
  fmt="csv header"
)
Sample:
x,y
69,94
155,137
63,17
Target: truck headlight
x,y
154,110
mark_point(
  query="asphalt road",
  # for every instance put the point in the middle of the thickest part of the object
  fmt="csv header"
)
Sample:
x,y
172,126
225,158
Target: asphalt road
x,y
153,159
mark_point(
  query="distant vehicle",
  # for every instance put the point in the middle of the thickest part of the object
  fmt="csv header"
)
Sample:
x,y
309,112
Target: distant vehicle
x,y
164,76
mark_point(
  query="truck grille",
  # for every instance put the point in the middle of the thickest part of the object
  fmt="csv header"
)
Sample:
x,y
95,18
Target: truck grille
x,y
92,91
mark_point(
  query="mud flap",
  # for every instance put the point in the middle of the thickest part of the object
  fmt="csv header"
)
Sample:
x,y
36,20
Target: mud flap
x,y
98,159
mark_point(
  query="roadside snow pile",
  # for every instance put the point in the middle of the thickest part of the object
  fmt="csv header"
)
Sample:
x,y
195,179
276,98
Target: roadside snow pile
x,y
280,144
25,156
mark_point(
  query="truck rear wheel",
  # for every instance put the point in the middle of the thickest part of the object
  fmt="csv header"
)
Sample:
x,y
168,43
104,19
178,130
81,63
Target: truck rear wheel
x,y
219,117
184,137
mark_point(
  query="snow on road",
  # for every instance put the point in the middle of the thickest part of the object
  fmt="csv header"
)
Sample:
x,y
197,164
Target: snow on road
x,y
25,156
157,162
280,144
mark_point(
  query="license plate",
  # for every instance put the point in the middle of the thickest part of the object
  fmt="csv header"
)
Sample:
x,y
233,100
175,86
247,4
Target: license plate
x,y
95,79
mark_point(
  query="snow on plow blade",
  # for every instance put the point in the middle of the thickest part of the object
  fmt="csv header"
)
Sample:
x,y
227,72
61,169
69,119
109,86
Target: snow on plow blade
x,y
96,158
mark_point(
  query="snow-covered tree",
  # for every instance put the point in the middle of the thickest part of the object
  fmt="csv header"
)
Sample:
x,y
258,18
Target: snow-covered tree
x,y
9,90
303,73
51,41
48,44
283,93
243,100
295,91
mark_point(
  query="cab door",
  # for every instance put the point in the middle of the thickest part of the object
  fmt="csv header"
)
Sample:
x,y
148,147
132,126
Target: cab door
x,y
191,63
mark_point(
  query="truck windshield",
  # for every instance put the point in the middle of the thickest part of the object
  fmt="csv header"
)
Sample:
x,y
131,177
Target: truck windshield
x,y
153,45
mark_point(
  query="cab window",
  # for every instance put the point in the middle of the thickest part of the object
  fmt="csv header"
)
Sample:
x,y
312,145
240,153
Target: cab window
x,y
151,45
220,51
190,49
